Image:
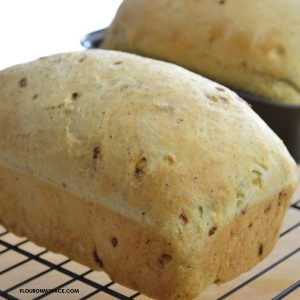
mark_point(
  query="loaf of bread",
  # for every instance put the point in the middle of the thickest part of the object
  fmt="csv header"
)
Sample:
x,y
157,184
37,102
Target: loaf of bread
x,y
252,46
164,179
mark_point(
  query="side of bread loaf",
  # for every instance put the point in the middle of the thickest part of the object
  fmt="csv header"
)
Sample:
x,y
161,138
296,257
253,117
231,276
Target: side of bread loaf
x,y
166,180
253,46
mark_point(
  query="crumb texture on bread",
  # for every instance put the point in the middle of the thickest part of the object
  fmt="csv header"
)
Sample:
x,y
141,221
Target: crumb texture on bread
x,y
252,46
141,168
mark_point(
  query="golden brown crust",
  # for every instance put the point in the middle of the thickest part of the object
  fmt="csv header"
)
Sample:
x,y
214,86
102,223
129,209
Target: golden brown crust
x,y
253,45
147,163
133,254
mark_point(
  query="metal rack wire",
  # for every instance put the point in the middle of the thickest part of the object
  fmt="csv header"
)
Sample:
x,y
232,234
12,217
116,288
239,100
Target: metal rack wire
x,y
83,277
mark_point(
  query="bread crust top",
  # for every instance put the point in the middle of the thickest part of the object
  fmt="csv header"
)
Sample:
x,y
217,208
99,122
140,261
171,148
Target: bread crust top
x,y
148,139
248,45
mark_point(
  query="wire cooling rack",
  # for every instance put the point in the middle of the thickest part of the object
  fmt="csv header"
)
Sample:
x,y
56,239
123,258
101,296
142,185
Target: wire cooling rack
x,y
28,271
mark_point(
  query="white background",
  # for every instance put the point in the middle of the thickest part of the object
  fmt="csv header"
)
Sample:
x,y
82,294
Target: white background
x,y
30,29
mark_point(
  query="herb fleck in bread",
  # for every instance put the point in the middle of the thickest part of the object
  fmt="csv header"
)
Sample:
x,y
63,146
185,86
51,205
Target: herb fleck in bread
x,y
249,45
166,180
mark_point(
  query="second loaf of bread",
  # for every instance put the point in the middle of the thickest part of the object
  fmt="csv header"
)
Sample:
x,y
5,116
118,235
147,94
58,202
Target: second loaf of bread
x,y
164,179
249,45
